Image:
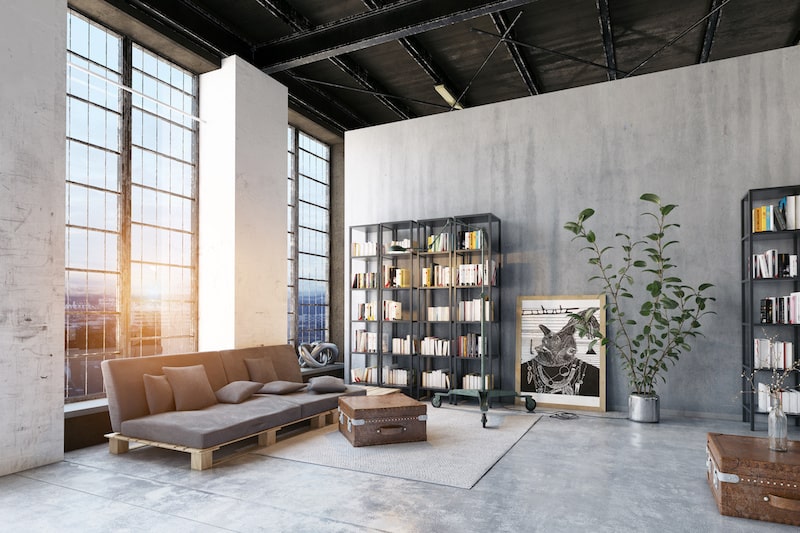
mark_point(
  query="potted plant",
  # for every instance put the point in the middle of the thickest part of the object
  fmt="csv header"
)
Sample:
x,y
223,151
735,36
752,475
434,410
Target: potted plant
x,y
651,313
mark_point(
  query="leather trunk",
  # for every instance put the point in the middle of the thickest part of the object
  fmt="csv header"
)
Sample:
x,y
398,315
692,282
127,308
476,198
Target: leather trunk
x,y
382,419
751,481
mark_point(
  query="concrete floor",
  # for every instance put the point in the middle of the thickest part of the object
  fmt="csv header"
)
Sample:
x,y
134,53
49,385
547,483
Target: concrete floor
x,y
594,473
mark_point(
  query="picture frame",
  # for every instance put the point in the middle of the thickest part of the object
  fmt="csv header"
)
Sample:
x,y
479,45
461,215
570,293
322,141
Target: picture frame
x,y
555,365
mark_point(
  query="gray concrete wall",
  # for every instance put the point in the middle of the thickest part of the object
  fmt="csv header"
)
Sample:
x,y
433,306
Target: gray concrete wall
x,y
32,159
699,137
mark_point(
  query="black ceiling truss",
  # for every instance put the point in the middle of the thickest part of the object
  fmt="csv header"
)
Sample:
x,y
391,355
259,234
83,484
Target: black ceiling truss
x,y
555,52
420,55
526,73
675,39
711,30
298,22
608,38
388,23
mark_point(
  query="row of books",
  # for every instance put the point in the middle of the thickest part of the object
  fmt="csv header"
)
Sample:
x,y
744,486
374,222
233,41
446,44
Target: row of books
x,y
390,310
367,374
771,264
473,381
364,248
367,341
470,240
474,274
405,345
434,346
768,353
436,276
439,242
438,313
790,399
470,310
396,376
469,345
365,280
396,277
785,215
436,379
780,309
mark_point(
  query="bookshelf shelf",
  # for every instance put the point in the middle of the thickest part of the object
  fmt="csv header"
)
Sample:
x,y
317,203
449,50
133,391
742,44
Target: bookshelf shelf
x,y
770,316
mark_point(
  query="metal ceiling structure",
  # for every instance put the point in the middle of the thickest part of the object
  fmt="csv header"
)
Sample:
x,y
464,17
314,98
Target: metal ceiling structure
x,y
355,63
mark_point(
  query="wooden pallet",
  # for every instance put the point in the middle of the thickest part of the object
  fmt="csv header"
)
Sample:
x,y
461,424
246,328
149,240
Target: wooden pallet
x,y
203,458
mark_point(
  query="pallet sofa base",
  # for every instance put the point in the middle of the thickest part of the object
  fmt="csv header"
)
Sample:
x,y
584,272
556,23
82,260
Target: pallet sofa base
x,y
203,458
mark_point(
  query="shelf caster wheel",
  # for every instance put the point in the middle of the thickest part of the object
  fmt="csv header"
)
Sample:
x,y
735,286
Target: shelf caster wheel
x,y
483,419
530,404
436,401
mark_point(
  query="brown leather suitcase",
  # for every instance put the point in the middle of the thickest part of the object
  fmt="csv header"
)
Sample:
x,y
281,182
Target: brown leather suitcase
x,y
382,419
751,481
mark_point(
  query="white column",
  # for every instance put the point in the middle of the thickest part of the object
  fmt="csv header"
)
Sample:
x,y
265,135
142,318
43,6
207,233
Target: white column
x,y
32,166
242,205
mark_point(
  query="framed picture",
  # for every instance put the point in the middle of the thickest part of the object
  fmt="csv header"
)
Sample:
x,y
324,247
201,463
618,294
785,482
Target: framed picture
x,y
554,363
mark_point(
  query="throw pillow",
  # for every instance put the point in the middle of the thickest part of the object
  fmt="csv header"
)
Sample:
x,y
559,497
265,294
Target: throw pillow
x,y
261,369
326,384
190,387
158,394
237,391
281,387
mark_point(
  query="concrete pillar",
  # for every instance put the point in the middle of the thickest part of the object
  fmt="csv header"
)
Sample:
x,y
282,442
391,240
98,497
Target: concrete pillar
x,y
242,205
32,166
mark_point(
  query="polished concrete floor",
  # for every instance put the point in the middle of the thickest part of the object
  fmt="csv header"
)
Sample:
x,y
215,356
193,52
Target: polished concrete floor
x,y
591,473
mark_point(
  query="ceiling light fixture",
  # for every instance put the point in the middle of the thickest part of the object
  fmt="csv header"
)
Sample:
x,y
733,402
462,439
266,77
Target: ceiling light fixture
x,y
448,97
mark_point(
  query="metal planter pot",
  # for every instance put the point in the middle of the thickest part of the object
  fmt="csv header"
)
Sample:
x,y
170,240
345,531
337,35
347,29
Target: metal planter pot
x,y
643,408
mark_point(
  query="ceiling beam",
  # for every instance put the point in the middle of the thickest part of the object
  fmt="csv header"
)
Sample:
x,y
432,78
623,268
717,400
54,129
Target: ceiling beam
x,y
711,30
604,16
371,28
299,23
501,23
183,21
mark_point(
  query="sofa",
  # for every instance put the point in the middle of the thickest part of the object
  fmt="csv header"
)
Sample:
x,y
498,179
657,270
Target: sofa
x,y
199,402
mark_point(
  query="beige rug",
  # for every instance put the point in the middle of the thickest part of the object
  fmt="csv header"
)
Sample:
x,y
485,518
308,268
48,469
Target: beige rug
x,y
444,459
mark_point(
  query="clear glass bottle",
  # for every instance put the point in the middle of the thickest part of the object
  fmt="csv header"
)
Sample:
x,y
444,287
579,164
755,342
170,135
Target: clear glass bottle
x,y
777,425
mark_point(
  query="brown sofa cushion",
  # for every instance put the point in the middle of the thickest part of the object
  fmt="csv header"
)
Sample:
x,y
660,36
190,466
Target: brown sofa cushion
x,y
237,391
159,394
326,384
190,387
280,387
261,369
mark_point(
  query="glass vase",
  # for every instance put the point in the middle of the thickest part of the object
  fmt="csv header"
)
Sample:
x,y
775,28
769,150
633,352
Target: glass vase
x,y
777,425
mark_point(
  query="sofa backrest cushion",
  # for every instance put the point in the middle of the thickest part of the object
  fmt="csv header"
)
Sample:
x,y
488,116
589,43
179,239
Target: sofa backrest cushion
x,y
158,393
283,356
124,380
190,387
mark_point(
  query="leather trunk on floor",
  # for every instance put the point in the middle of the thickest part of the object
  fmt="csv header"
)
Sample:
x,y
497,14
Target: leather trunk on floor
x,y
751,481
384,419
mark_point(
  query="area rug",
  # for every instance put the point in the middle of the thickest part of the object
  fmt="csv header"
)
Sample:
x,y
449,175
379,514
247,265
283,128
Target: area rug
x,y
443,459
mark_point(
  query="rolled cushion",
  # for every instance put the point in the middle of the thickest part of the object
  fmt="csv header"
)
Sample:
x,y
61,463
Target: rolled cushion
x,y
261,369
280,387
326,384
158,393
237,391
190,387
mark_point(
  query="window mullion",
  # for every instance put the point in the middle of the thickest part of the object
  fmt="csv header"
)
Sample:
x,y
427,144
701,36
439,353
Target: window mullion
x,y
125,201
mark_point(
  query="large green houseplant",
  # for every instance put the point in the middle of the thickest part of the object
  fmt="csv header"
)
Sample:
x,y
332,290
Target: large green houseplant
x,y
651,313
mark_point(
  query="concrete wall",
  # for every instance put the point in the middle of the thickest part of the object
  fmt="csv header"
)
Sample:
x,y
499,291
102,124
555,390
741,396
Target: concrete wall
x,y
32,159
699,137
242,266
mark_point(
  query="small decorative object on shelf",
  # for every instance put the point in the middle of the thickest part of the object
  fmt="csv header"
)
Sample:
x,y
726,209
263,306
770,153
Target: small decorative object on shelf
x,y
777,425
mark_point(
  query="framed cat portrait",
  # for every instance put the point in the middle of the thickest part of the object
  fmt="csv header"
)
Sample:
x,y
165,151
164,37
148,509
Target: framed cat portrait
x,y
555,364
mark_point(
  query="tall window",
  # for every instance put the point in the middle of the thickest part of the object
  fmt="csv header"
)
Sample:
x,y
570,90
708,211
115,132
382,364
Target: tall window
x,y
131,205
309,238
